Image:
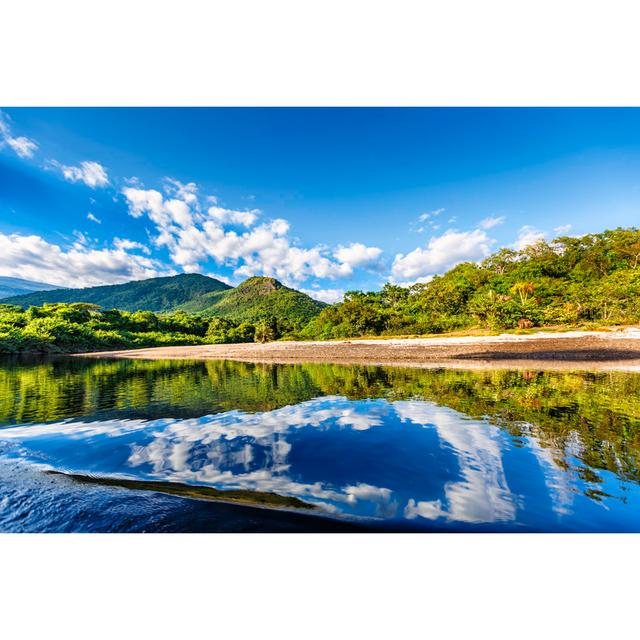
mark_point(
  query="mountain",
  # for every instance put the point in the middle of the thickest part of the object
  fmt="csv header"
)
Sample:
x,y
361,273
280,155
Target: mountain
x,y
154,294
254,298
18,286
193,293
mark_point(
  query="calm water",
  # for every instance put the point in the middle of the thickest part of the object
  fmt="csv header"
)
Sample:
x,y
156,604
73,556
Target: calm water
x,y
89,445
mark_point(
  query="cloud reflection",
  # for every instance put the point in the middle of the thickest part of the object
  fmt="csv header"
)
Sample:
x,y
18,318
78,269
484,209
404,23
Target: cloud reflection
x,y
257,452
482,493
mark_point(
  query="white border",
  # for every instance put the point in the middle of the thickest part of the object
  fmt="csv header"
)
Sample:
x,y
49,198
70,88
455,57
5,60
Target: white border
x,y
279,52
329,52
319,586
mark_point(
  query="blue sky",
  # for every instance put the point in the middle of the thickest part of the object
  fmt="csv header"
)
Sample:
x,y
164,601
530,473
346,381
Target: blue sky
x,y
326,200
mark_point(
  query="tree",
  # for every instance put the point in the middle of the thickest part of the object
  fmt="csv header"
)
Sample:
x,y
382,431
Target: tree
x,y
266,329
523,290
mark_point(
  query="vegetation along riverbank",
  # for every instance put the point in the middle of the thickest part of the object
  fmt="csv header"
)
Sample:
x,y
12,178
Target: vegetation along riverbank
x,y
570,282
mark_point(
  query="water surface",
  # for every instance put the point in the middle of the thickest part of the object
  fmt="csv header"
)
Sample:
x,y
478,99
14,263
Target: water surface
x,y
126,445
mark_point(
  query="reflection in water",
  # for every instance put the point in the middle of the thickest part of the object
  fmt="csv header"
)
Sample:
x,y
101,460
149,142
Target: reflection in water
x,y
556,480
481,494
405,447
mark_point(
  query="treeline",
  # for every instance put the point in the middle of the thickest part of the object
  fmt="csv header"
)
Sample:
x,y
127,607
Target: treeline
x,y
78,327
593,279
586,421
588,280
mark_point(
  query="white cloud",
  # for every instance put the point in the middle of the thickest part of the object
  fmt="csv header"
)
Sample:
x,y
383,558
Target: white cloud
x,y
527,236
358,255
91,217
145,200
91,173
562,229
409,283
34,258
221,278
490,222
23,147
129,245
228,216
187,192
192,237
430,214
441,253
325,295
82,240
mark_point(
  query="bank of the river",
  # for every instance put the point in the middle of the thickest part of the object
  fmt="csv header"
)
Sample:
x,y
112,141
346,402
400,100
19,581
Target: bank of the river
x,y
619,350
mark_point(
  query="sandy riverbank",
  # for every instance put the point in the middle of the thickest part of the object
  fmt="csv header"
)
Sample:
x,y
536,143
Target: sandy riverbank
x,y
594,350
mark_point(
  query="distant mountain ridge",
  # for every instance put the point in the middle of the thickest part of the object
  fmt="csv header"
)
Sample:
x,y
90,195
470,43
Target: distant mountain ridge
x,y
153,294
18,286
193,293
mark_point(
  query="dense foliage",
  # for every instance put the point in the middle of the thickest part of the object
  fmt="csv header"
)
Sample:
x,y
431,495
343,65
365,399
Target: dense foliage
x,y
567,282
253,300
594,279
80,327
257,298
154,294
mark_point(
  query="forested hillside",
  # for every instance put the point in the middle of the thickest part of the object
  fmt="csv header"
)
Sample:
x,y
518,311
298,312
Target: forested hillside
x,y
250,301
586,281
569,281
256,298
154,294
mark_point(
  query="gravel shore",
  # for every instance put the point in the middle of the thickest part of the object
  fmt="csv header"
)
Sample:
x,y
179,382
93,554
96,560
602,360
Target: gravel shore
x,y
593,350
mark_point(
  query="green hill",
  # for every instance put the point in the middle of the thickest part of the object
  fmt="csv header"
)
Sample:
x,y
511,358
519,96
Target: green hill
x,y
571,281
255,298
154,294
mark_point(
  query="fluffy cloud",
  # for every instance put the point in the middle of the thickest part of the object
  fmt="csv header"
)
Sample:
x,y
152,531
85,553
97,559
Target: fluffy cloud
x,y
441,253
91,217
224,279
228,216
34,258
359,255
130,245
91,173
187,192
562,229
527,236
193,236
325,295
23,147
490,222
